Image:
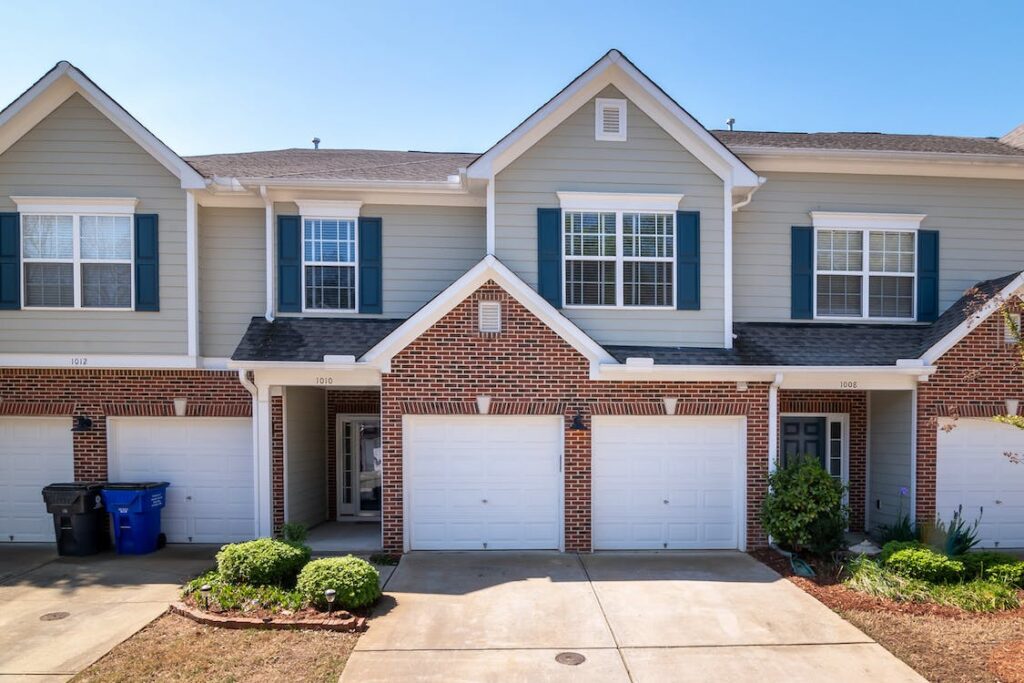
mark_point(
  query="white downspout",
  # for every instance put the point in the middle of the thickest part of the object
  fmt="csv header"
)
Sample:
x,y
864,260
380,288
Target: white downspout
x,y
269,247
773,423
243,378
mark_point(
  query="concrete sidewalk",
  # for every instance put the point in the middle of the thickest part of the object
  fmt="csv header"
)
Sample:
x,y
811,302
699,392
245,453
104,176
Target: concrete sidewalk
x,y
633,616
59,615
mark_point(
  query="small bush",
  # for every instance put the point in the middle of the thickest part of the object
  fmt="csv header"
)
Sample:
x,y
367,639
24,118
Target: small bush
x,y
294,533
896,546
868,576
263,562
976,596
243,597
1007,574
803,507
976,565
902,530
925,565
356,581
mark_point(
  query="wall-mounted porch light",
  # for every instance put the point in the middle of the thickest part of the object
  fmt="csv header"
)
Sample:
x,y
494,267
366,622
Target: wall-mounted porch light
x,y
670,405
577,422
81,423
483,404
180,407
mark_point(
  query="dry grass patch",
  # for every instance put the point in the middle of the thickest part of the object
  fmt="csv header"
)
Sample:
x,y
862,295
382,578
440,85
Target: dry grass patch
x,y
174,648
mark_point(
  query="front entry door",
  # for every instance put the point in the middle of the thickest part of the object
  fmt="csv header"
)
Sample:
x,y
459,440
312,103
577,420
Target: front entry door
x,y
803,436
359,471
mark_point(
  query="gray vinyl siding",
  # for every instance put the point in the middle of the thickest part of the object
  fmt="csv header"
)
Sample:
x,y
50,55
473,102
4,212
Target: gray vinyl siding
x,y
980,224
232,276
305,459
78,152
426,248
889,422
570,159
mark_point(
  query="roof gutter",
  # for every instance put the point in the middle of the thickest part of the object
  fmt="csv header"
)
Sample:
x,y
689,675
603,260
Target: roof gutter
x,y
635,368
430,187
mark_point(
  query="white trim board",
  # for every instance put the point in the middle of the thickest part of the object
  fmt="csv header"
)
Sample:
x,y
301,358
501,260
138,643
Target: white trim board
x,y
83,205
618,201
851,220
940,347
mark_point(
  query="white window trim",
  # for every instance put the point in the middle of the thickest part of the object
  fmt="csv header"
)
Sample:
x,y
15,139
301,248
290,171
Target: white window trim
x,y
333,209
847,220
619,258
865,274
354,263
91,206
619,201
76,261
602,103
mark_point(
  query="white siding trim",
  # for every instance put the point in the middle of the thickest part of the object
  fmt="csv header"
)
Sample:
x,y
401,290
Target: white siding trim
x,y
491,217
850,220
88,205
727,287
94,360
960,331
618,201
332,208
192,271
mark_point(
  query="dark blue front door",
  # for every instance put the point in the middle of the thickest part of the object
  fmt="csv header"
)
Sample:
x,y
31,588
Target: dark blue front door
x,y
803,436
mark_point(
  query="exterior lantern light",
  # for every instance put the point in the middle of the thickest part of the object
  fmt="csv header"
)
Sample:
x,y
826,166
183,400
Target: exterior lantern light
x,y
577,422
1011,406
330,594
180,407
204,590
670,405
483,404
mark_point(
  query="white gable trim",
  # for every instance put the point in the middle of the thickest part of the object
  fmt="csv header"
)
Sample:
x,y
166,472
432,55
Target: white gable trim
x,y
63,81
489,268
614,69
963,329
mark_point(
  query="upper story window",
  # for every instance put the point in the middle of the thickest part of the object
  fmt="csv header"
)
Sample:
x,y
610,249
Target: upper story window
x,y
330,255
618,250
610,120
76,260
865,265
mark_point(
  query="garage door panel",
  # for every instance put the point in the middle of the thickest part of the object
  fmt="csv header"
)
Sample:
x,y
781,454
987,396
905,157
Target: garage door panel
x,y
34,452
455,463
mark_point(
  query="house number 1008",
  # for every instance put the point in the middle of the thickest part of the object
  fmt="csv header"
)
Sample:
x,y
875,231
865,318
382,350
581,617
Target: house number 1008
x,y
848,384
325,380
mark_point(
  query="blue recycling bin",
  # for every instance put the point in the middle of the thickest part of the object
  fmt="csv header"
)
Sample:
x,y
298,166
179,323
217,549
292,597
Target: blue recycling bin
x,y
135,515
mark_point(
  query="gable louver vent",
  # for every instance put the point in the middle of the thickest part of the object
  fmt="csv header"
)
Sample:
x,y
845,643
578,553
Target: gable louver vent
x,y
611,120
490,316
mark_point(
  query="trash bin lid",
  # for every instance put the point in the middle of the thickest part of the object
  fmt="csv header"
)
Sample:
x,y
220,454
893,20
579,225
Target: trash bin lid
x,y
134,485
74,486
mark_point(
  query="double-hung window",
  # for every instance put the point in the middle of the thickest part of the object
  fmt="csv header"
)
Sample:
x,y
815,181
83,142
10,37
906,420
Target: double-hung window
x,y
329,264
618,257
868,271
77,260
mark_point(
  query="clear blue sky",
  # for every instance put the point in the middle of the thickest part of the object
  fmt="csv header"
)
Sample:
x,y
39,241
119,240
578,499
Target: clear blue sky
x,y
452,75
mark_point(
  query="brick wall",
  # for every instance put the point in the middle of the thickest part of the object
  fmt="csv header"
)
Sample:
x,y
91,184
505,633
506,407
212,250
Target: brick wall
x,y
973,380
853,403
98,394
343,402
529,365
277,460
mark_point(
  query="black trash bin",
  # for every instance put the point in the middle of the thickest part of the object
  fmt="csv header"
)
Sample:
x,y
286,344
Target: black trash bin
x,y
78,515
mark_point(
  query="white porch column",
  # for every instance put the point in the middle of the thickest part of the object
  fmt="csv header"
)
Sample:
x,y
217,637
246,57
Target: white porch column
x,y
773,423
262,451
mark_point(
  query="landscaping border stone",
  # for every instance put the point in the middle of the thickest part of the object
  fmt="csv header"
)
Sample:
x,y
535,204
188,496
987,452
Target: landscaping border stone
x,y
347,623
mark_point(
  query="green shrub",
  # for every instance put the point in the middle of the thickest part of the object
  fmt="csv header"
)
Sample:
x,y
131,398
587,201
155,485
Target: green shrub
x,y
868,576
902,530
356,581
294,533
924,564
896,546
976,596
243,597
1007,574
976,565
803,507
263,562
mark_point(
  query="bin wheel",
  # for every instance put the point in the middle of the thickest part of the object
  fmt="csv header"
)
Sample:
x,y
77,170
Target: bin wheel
x,y
161,541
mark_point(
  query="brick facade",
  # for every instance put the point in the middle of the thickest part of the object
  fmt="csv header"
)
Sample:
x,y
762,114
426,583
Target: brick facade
x,y
973,380
277,461
854,404
343,402
99,394
528,363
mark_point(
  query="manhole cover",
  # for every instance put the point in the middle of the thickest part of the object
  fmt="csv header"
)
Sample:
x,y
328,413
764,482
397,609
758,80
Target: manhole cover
x,y
570,658
54,616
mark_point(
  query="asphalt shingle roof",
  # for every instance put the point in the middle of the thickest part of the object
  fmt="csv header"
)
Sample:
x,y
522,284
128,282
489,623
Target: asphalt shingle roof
x,y
878,142
308,340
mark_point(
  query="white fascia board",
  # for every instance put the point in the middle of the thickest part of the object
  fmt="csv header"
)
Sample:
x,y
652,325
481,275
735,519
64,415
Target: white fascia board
x,y
940,347
934,164
857,220
490,268
302,375
794,376
618,201
85,361
614,69
329,208
426,186
56,87
90,205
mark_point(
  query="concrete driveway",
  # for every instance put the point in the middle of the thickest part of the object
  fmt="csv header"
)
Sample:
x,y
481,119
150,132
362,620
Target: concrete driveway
x,y
633,616
59,615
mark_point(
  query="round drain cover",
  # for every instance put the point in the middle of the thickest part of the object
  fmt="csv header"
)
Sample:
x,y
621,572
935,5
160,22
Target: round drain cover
x,y
570,658
54,616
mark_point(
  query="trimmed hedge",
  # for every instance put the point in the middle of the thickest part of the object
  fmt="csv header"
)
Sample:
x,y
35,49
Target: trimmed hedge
x,y
263,562
356,582
924,564
895,546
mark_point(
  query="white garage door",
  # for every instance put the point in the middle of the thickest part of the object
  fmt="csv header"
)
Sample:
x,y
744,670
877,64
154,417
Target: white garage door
x,y
208,462
483,482
973,471
34,452
667,482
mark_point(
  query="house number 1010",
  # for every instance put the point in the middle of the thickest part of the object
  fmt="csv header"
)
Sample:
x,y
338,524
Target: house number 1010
x,y
325,380
848,384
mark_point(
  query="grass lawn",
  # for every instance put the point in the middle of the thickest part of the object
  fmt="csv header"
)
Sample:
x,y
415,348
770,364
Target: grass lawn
x,y
174,648
943,644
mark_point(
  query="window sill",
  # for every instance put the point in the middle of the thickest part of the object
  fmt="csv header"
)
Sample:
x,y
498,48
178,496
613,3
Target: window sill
x,y
855,319
617,308
82,309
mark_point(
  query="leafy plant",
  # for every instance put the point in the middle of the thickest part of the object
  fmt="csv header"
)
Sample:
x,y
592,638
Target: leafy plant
x,y
955,538
868,576
263,562
803,507
243,597
903,529
896,546
924,564
294,533
385,559
977,564
976,596
356,582
1007,574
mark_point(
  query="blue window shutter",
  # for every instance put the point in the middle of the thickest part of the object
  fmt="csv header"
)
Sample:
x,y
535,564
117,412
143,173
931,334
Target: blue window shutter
x,y
371,266
688,260
147,262
289,264
549,255
927,275
10,261
801,281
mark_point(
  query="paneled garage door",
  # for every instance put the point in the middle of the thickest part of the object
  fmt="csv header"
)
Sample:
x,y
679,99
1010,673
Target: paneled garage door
x,y
209,464
667,482
479,482
34,452
974,471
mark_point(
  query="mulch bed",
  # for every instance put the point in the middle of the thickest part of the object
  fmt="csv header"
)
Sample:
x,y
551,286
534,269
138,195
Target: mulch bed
x,y
306,618
941,643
